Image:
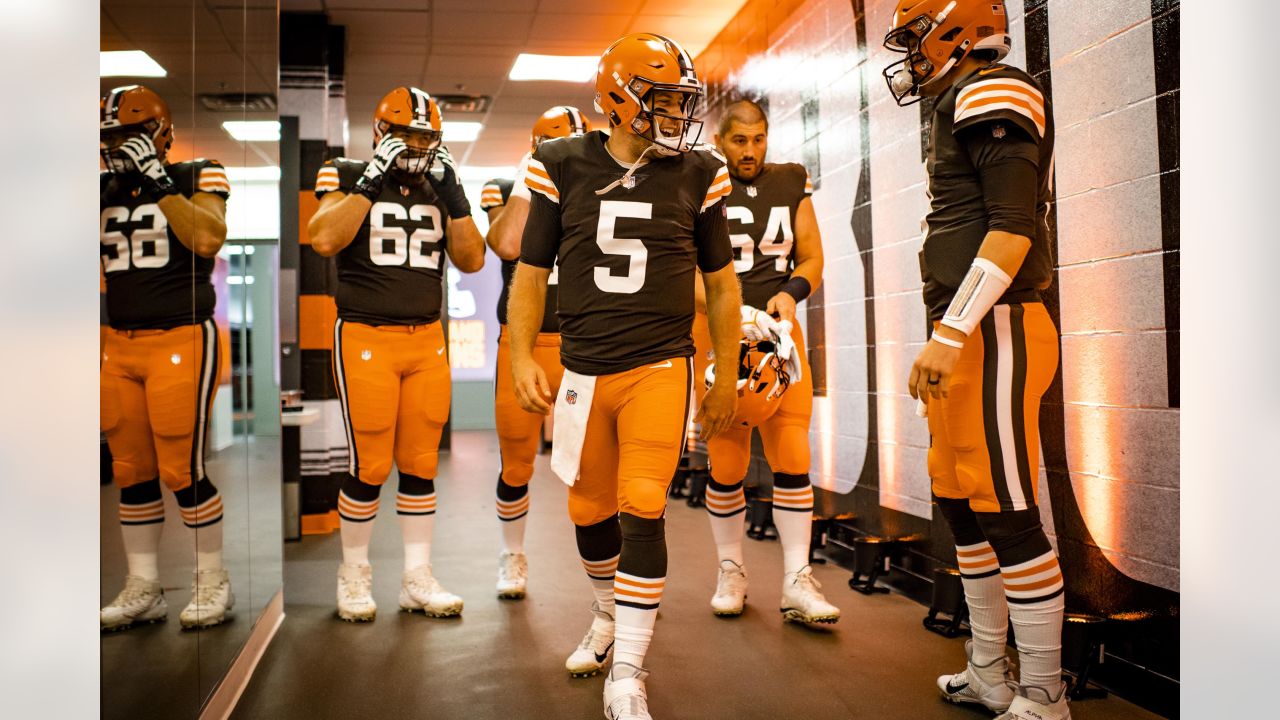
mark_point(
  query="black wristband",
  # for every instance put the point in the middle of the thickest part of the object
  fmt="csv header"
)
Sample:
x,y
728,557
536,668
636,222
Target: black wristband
x,y
163,186
798,288
455,199
368,187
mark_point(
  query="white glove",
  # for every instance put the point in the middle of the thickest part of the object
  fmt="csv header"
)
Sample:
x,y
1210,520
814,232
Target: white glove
x,y
141,151
785,348
384,157
757,325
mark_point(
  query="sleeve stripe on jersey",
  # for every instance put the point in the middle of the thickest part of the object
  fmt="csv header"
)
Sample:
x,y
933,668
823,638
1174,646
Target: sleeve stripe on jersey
x,y
1001,94
327,179
808,184
213,180
720,187
538,180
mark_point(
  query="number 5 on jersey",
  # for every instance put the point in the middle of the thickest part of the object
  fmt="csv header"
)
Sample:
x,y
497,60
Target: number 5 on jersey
x,y
634,250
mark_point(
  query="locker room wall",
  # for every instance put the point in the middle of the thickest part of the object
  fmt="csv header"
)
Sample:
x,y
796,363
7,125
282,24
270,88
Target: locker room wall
x,y
1109,480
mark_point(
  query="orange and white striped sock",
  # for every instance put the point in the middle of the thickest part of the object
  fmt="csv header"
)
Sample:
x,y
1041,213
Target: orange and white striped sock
x,y
200,504
1035,592
793,516
513,510
599,546
357,507
638,586
725,508
984,593
141,523
416,506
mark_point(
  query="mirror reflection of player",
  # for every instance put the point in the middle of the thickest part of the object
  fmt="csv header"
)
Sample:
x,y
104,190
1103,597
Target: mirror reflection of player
x,y
390,222
161,226
520,431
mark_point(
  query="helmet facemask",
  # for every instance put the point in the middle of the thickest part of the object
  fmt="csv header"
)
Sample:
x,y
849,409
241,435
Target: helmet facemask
x,y
669,133
908,75
421,147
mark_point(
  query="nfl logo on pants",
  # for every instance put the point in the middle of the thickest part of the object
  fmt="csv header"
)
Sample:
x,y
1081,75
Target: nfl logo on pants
x,y
571,396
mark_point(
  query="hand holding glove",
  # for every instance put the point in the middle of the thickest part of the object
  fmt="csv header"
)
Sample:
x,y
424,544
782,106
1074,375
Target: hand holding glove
x,y
444,180
141,152
384,157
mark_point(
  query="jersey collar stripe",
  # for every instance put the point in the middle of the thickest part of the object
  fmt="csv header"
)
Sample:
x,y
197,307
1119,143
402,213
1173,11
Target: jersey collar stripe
x,y
1001,83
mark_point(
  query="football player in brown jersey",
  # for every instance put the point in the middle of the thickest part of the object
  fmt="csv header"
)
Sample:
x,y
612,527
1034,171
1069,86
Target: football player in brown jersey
x,y
778,258
994,349
519,431
390,222
628,218
161,226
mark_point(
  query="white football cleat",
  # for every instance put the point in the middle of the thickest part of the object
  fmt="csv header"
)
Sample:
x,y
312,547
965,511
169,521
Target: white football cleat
x,y
1035,703
141,601
421,592
624,693
731,589
513,575
987,685
211,600
803,602
355,593
596,646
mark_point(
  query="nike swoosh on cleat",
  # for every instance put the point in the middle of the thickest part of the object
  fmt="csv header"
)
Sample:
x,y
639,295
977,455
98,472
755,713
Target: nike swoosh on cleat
x,y
666,364
601,658
953,689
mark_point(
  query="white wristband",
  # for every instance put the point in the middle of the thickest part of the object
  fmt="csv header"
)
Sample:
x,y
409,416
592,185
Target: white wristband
x,y
947,341
981,288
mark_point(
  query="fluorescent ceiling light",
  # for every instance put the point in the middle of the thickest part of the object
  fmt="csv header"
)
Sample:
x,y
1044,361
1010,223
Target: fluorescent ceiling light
x,y
566,68
485,173
269,173
128,63
456,131
253,130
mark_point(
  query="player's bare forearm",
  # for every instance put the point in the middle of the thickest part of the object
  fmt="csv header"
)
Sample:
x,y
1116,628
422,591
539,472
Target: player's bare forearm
x,y
1006,250
466,244
199,223
337,221
505,230
724,298
525,307
809,261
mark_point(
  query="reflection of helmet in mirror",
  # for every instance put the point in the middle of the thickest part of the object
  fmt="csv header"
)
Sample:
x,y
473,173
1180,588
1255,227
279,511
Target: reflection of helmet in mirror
x,y
631,71
133,110
935,35
413,116
762,379
560,121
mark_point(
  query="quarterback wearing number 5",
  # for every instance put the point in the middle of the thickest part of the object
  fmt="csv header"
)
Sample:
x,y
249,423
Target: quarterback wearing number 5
x,y
629,216
390,221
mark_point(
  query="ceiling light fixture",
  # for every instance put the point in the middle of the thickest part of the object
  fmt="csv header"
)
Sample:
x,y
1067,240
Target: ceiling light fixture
x,y
128,63
564,68
253,130
459,131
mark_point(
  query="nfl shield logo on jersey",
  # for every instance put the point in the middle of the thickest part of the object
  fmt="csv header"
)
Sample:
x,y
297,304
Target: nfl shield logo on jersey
x,y
571,396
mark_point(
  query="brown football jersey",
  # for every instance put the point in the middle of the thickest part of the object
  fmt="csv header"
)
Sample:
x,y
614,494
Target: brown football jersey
x,y
627,257
501,188
391,272
999,104
153,280
762,217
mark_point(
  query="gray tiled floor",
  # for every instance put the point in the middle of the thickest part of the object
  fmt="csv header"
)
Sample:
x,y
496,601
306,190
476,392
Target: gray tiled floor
x,y
505,659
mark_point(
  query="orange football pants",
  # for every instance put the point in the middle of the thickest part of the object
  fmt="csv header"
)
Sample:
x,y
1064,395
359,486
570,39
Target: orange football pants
x,y
985,436
785,435
157,388
520,431
634,436
394,383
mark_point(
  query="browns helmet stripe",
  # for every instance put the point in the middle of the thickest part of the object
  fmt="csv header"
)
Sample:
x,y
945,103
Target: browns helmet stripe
x,y
111,108
421,109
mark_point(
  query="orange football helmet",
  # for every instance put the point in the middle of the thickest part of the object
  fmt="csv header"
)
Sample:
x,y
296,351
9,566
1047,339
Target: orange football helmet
x,y
935,35
414,116
132,110
762,379
560,121
630,71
